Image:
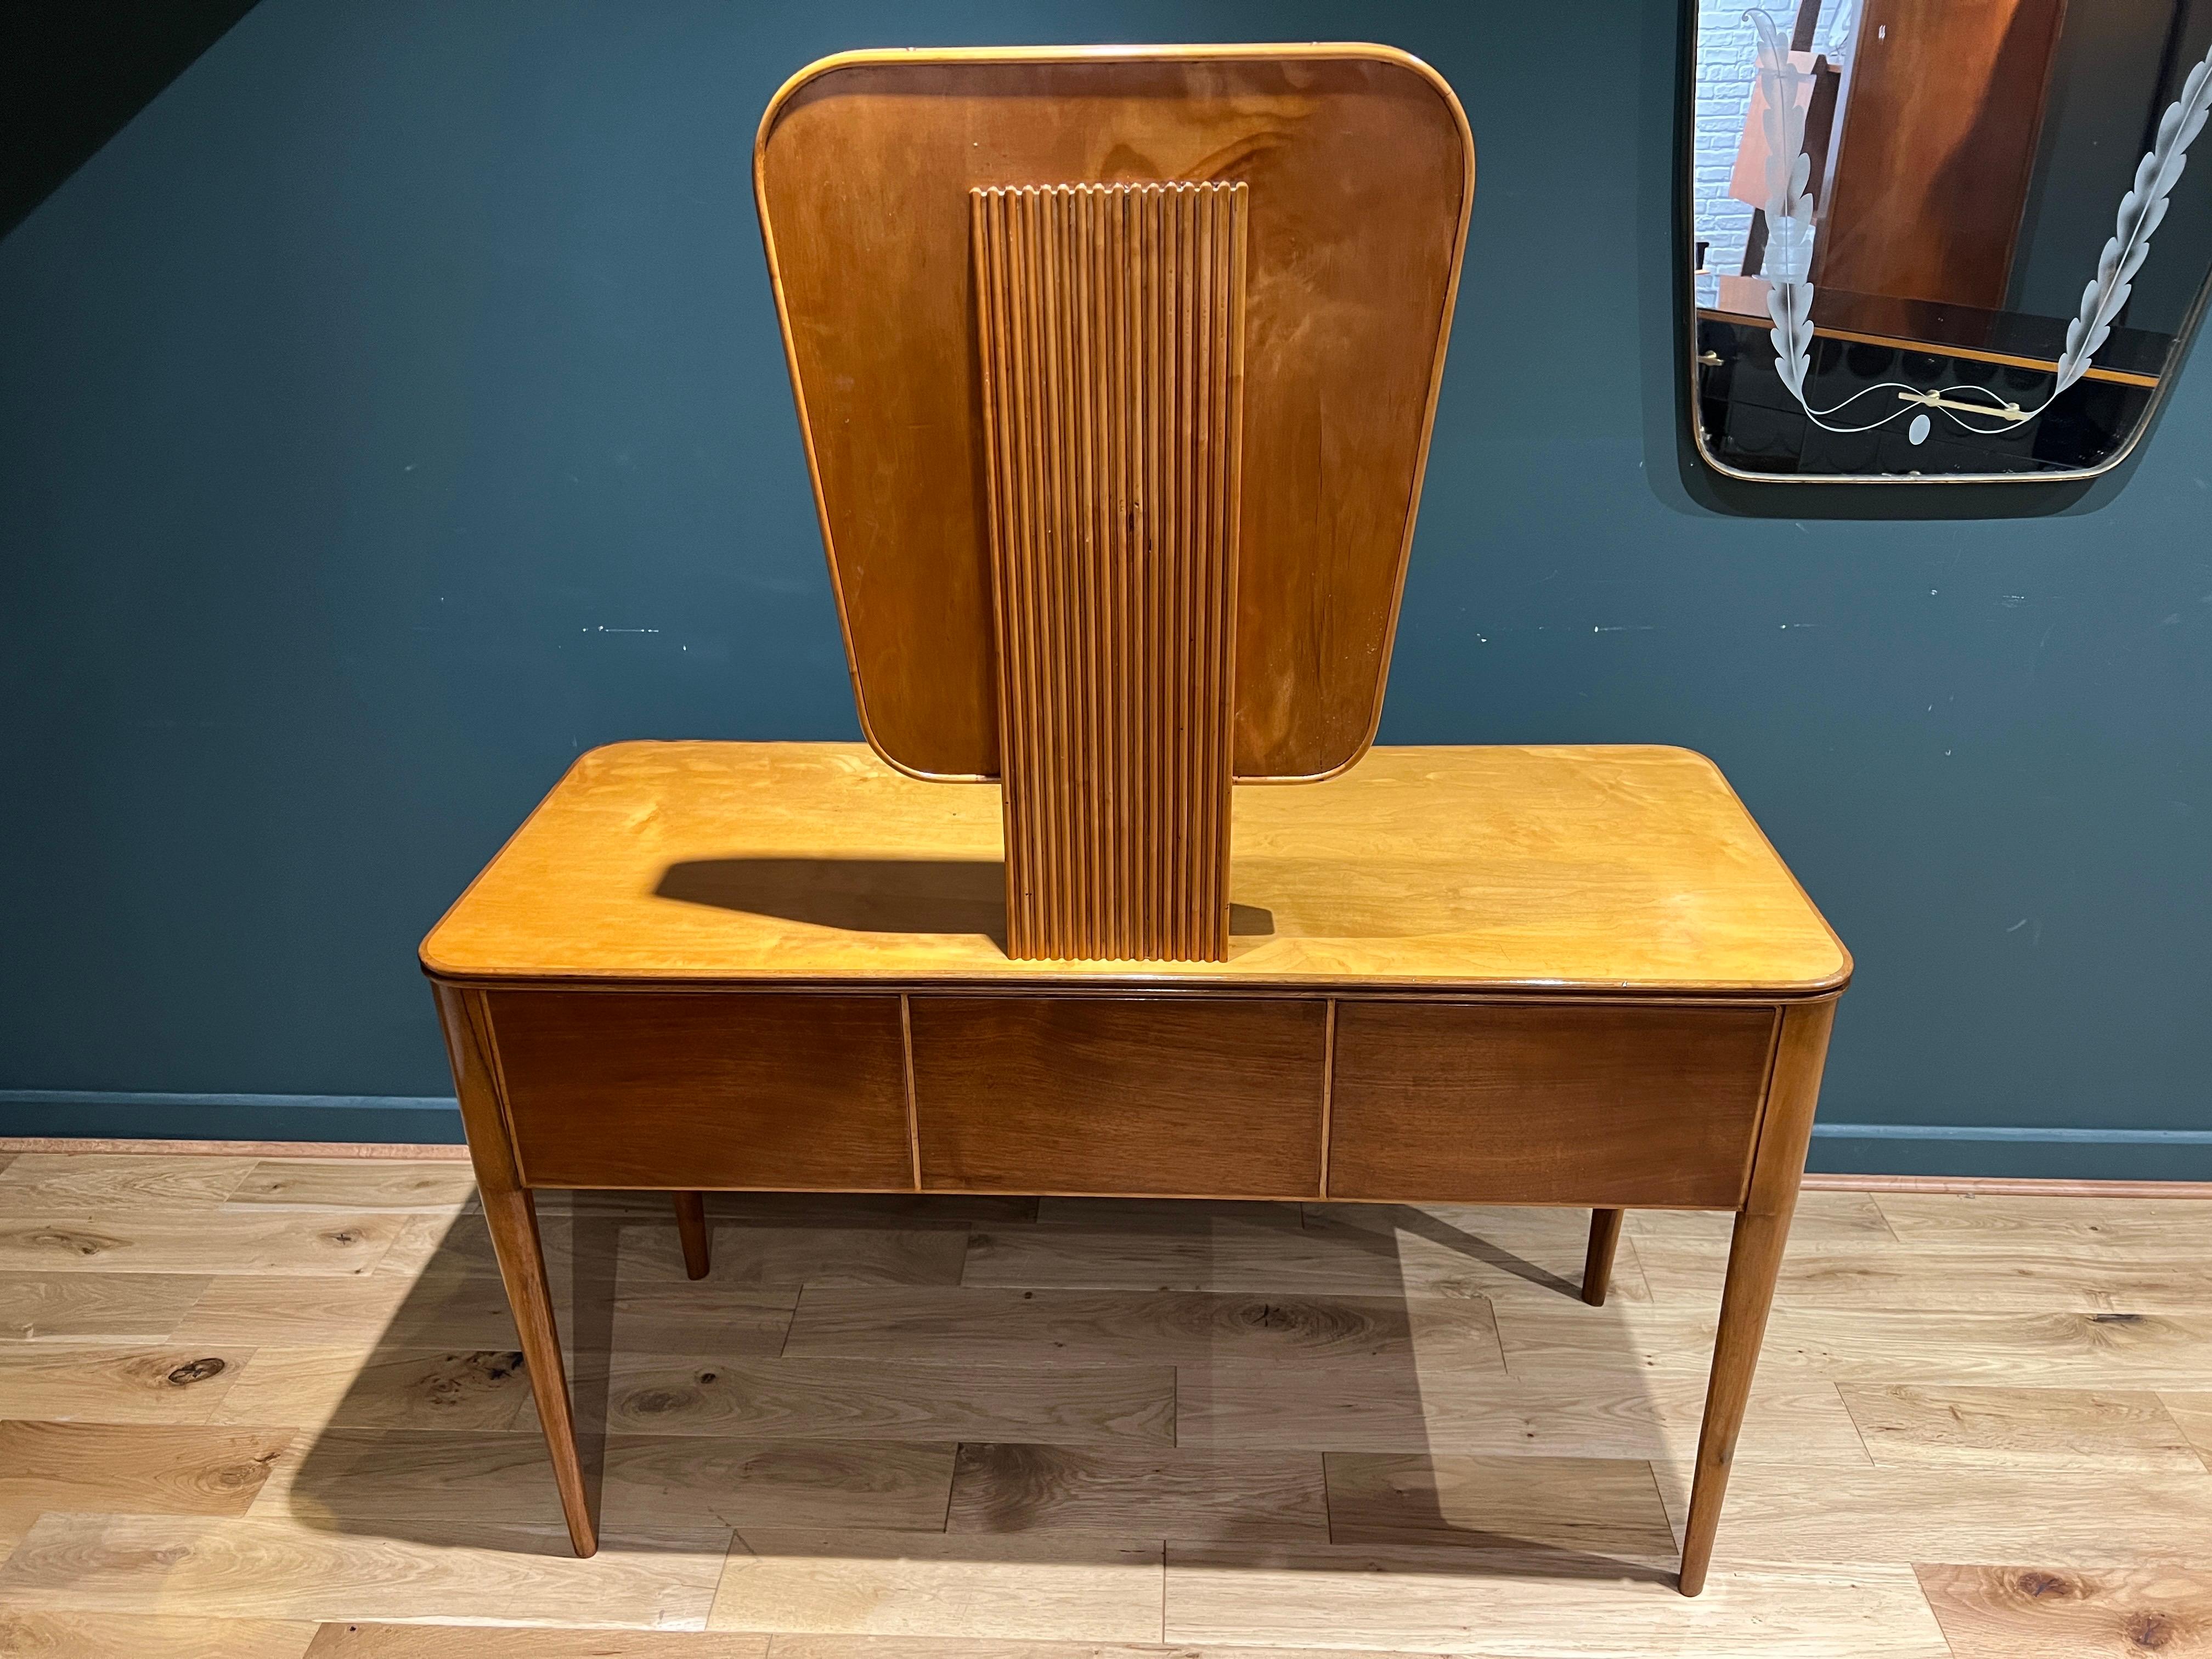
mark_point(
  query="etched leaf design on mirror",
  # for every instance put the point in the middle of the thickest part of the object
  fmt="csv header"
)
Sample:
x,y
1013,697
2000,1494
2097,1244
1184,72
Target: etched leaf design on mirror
x,y
2140,211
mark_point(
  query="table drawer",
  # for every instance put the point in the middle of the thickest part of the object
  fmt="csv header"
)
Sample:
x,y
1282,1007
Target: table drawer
x,y
1604,1105
734,1089
1196,1097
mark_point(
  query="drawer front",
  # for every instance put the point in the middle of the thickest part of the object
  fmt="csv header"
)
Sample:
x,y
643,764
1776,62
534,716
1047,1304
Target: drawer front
x,y
712,1090
1200,1097
1609,1106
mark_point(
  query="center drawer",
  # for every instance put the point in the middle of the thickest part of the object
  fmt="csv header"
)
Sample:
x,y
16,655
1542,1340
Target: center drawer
x,y
1212,1097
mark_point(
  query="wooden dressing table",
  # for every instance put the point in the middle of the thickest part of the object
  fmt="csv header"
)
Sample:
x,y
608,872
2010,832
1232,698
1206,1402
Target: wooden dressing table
x,y
1116,368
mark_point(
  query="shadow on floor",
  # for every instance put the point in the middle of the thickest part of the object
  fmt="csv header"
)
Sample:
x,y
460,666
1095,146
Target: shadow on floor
x,y
1268,1384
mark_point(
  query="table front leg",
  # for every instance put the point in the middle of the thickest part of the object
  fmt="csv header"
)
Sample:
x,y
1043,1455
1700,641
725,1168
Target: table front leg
x,y
1597,1265
691,1228
511,1214
1762,1229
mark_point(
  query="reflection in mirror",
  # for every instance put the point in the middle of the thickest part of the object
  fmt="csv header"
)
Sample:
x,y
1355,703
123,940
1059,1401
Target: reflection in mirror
x,y
1943,239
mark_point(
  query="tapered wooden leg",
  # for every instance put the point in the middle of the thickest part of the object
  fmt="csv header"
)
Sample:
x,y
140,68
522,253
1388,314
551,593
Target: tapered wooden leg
x,y
1762,1229
512,1216
1597,1266
691,1228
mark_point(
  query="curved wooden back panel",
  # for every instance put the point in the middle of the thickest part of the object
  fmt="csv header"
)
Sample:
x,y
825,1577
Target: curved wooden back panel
x,y
1359,172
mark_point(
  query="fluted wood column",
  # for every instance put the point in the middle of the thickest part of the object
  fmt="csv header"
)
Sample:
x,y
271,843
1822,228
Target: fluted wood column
x,y
1110,319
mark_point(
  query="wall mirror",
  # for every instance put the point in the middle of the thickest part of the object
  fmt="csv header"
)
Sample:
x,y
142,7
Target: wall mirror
x,y
1943,240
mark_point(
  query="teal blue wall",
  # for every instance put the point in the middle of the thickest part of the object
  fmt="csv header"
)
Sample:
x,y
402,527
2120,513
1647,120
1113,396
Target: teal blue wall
x,y
365,398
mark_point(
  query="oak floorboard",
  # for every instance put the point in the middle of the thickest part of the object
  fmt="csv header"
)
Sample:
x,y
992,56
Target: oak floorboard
x,y
2070,1349
2193,1413
355,1184
1821,1219
1899,1277
1172,1492
1078,1328
178,1383
379,1388
1908,1424
458,1310
45,1307
137,1469
1540,1606
370,1480
259,1567
137,1636
2156,1227
932,1647
2039,1613
1067,1587
1602,1506
362,1641
1381,1408
1331,1258
900,1400
746,1257
1960,1513
146,1239
78,1182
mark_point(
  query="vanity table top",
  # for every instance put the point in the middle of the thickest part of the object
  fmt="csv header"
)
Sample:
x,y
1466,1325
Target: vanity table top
x,y
1556,871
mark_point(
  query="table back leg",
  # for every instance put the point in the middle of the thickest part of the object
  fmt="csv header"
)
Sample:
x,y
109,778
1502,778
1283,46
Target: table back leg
x,y
512,1216
691,1228
1762,1229
1597,1266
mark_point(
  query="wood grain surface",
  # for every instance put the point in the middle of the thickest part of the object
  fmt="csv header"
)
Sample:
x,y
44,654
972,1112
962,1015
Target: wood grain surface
x,y
689,1091
1552,871
1092,1468
1508,1105
1027,1094
1109,322
1360,175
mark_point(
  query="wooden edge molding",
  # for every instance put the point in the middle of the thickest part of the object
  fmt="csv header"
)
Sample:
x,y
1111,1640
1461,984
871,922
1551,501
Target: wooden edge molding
x,y
453,1152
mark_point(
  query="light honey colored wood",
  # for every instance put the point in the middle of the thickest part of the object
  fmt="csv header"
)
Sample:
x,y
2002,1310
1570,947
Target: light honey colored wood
x,y
2113,1517
357,1479
1195,1495
841,871
1360,175
465,1310
2193,1413
2092,1279
146,1239
1067,1587
2039,1613
352,1183
1110,325
136,1468
118,1384
2040,1457
273,1568
355,1641
1466,1601
61,1307
1906,1425
126,1636
80,1181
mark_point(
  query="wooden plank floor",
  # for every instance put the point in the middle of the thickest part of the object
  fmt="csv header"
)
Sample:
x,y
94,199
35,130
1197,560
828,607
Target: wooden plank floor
x,y
270,1407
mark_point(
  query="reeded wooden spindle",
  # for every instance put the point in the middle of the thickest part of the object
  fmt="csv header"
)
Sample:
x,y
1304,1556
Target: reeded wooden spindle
x,y
1111,324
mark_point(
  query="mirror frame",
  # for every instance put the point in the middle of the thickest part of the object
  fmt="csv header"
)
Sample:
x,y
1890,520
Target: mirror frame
x,y
1686,321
